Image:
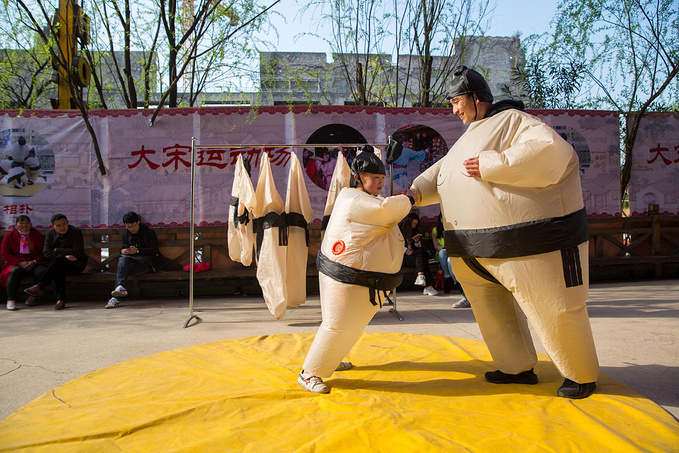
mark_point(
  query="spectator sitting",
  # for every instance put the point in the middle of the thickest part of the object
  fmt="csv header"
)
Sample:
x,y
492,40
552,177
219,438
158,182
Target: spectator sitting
x,y
415,254
139,254
22,251
64,247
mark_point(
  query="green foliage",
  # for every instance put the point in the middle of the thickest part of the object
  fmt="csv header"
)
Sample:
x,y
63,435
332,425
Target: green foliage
x,y
628,48
24,63
629,51
547,86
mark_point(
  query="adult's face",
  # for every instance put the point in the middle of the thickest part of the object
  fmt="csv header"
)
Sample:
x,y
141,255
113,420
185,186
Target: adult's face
x,y
60,226
464,107
133,227
23,225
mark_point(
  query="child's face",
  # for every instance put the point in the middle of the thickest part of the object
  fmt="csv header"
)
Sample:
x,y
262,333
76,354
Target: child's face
x,y
372,183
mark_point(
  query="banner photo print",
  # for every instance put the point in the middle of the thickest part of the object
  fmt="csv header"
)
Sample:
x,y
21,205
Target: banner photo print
x,y
49,165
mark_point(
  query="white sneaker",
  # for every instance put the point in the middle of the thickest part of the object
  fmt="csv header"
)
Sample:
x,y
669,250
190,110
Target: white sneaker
x,y
462,303
120,291
420,280
11,305
344,366
112,303
314,384
430,291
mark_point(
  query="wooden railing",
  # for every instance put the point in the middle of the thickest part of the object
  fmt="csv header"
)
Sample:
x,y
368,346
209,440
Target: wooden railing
x,y
634,247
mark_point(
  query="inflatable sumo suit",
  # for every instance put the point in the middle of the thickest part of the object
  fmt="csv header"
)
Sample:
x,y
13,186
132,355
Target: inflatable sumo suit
x,y
518,235
298,212
361,254
271,235
240,236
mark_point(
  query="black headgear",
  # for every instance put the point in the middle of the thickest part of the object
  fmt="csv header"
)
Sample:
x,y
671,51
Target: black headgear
x,y
468,81
366,161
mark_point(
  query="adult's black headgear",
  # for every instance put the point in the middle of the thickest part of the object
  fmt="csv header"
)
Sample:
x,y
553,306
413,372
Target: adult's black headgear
x,y
468,81
366,161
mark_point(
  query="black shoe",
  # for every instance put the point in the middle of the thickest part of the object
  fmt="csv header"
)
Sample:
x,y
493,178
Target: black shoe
x,y
525,377
573,390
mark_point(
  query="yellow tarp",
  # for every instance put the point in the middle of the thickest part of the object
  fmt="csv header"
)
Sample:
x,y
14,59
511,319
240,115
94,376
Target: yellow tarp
x,y
408,393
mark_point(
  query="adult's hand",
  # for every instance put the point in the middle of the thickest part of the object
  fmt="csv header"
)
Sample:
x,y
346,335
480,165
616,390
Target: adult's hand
x,y
27,265
472,167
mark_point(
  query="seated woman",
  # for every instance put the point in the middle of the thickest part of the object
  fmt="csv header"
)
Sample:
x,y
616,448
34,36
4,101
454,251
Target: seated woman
x,y
415,254
438,241
22,252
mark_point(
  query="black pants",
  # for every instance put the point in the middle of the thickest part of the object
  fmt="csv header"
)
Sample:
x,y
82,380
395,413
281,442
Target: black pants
x,y
15,275
57,271
420,261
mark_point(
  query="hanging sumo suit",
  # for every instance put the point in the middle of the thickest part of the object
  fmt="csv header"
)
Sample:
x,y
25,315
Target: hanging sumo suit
x,y
271,235
360,256
240,236
517,235
298,213
340,179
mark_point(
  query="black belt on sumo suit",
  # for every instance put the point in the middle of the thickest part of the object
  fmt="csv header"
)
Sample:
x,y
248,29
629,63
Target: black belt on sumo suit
x,y
282,221
523,239
375,281
243,219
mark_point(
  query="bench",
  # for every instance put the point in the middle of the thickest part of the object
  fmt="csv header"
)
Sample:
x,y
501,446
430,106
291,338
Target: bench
x,y
620,248
102,247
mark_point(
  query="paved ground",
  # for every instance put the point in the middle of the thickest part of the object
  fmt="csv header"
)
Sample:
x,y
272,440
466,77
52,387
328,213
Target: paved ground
x,y
635,328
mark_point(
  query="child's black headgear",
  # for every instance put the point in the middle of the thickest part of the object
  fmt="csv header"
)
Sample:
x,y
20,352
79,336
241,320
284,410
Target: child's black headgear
x,y
366,161
468,81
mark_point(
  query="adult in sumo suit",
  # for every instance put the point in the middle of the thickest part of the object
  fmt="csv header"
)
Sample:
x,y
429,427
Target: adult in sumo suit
x,y
516,236
360,256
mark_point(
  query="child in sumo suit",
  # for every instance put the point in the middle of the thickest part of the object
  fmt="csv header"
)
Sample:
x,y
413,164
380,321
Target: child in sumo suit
x,y
361,255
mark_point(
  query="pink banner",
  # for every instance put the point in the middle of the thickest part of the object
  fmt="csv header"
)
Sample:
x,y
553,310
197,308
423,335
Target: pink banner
x,y
655,171
149,167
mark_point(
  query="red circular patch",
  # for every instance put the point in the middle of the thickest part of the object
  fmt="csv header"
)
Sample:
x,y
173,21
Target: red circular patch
x,y
338,247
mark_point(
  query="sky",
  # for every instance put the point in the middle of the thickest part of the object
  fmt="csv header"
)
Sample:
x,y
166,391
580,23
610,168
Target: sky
x,y
510,16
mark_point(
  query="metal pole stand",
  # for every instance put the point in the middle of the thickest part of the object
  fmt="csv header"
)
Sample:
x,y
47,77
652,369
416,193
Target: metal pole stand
x,y
391,192
393,309
192,236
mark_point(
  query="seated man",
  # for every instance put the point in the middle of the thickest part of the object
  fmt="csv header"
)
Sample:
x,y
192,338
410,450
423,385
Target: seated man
x,y
139,254
64,247
415,254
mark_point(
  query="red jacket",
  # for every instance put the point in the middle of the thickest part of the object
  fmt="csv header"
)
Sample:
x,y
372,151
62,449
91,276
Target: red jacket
x,y
9,251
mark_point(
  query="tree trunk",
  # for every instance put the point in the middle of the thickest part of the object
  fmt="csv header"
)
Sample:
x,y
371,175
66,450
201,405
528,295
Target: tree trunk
x,y
360,86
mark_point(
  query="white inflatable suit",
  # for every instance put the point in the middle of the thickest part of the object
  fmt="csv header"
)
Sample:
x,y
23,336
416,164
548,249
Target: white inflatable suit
x,y
299,213
267,209
240,236
362,234
518,235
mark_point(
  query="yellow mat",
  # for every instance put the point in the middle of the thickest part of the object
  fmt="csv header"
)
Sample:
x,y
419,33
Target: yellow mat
x,y
408,393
